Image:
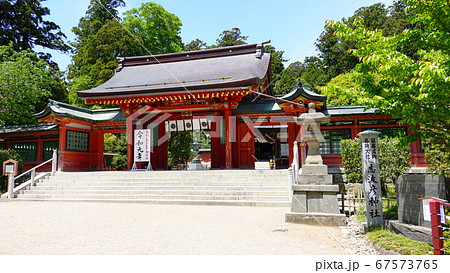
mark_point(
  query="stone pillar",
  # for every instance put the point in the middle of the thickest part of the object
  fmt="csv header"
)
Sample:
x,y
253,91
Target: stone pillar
x,y
371,178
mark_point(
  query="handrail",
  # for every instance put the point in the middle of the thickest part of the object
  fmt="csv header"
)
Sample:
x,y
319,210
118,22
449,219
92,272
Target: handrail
x,y
34,168
11,178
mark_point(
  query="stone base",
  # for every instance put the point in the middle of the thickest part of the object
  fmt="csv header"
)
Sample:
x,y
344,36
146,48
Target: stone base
x,y
314,169
194,166
326,219
413,232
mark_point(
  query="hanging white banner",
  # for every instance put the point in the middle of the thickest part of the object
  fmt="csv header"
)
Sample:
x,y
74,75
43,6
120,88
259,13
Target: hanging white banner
x,y
172,125
142,144
188,124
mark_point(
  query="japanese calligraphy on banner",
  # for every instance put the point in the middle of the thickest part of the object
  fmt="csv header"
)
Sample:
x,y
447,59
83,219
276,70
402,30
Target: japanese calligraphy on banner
x,y
142,144
371,177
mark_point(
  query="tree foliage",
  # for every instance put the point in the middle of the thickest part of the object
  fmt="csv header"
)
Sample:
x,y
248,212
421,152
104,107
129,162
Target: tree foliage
x,y
25,81
157,29
412,87
119,161
231,37
22,24
393,156
196,44
98,14
179,151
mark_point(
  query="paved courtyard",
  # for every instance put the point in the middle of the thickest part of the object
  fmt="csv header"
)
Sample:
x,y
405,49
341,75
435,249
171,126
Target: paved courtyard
x,y
122,228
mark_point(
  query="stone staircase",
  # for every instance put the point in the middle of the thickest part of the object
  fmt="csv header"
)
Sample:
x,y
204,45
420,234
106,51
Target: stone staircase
x,y
213,187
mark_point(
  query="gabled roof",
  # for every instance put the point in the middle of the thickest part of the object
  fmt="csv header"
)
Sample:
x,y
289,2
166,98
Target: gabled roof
x,y
219,68
300,90
27,128
350,110
75,112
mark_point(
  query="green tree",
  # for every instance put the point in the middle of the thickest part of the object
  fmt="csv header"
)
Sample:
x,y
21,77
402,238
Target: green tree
x,y
196,44
394,158
277,60
315,73
336,90
22,24
98,57
289,77
408,87
120,160
98,14
158,29
25,81
78,84
179,151
231,37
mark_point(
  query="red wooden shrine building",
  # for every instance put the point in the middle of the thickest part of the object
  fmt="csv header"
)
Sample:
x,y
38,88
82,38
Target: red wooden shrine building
x,y
228,89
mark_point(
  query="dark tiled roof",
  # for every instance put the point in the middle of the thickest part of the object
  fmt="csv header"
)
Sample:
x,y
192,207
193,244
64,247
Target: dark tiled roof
x,y
27,128
261,106
228,67
94,116
350,110
301,90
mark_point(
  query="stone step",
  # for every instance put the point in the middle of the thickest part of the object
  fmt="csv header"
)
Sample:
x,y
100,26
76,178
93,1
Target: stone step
x,y
44,187
161,184
153,196
156,192
164,175
247,203
223,187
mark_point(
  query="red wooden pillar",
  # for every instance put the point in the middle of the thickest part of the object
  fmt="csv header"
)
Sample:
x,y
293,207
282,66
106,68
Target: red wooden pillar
x,y
228,139
40,150
62,145
436,230
100,150
293,135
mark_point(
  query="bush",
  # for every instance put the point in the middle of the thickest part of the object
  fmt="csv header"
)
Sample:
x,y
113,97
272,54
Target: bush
x,y
393,155
119,161
5,155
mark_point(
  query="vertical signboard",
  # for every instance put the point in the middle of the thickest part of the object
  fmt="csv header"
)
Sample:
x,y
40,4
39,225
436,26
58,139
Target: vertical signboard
x,y
142,145
371,177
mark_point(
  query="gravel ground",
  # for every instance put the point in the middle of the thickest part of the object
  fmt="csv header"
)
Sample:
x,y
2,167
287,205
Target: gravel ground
x,y
354,240
119,228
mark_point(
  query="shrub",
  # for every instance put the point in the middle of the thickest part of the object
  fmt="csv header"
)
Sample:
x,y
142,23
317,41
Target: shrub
x,y
393,155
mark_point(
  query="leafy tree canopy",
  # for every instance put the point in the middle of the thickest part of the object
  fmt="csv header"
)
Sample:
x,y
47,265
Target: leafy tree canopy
x,y
22,23
231,37
196,44
158,29
408,87
25,80
99,13
277,60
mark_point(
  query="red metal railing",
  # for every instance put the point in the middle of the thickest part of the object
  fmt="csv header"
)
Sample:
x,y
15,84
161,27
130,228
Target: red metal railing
x,y
437,230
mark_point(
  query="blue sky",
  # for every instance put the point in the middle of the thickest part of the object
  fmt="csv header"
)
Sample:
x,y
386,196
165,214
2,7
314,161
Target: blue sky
x,y
292,25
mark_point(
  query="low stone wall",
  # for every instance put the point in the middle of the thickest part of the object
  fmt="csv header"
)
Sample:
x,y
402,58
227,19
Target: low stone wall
x,y
417,233
416,184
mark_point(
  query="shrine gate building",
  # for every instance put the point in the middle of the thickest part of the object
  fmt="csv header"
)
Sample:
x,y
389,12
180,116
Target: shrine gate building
x,y
226,91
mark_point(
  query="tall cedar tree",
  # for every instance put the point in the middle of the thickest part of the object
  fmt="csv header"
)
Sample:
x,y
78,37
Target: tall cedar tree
x,y
98,14
22,23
